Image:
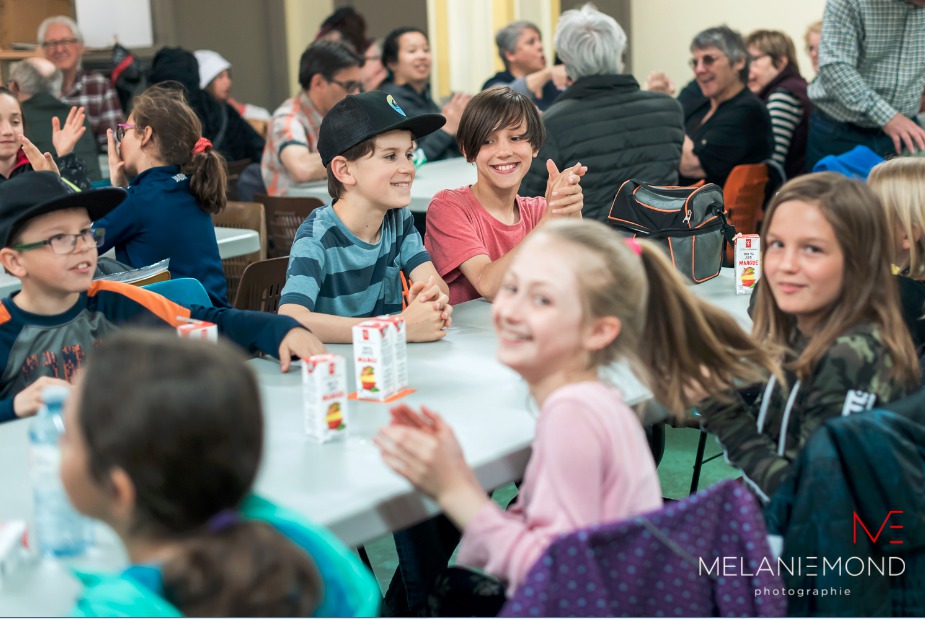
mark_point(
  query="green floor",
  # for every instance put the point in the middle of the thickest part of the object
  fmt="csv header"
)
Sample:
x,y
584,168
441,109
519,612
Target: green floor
x,y
674,471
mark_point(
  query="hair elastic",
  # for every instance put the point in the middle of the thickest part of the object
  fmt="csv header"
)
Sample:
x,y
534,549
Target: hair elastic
x,y
203,145
634,245
222,520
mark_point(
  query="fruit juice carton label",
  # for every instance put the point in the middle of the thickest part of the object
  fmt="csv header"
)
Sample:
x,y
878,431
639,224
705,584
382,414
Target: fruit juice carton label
x,y
198,330
400,350
374,360
747,262
324,394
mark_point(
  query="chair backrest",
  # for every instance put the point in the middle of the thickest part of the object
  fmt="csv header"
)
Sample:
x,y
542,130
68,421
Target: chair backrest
x,y
184,291
639,567
247,216
234,172
261,285
284,216
743,196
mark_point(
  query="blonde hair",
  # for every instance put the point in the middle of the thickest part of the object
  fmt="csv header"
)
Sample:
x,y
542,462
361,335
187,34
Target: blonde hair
x,y
868,291
816,27
900,185
670,338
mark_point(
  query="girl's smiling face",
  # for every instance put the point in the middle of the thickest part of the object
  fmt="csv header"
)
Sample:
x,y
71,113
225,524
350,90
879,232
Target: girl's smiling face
x,y
804,263
11,126
538,314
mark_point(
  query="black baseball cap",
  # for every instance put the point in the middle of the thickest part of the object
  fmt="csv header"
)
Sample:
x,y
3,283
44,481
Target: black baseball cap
x,y
358,117
36,193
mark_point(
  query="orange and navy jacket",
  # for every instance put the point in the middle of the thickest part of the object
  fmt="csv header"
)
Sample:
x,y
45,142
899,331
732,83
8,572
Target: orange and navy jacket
x,y
32,345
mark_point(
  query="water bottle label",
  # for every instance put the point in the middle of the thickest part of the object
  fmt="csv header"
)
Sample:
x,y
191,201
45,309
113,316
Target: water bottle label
x,y
44,463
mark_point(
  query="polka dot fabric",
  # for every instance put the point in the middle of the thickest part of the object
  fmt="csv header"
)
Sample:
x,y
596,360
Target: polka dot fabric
x,y
650,565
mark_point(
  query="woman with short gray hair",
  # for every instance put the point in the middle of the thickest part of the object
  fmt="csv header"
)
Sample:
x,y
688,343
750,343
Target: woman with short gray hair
x,y
730,126
521,50
603,120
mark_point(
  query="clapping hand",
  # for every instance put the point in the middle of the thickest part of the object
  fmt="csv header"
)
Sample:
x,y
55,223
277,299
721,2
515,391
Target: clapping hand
x,y
40,162
65,138
116,166
563,190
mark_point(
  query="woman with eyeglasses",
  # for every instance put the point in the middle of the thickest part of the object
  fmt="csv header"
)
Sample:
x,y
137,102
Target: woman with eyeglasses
x,y
406,54
19,155
731,126
177,183
774,75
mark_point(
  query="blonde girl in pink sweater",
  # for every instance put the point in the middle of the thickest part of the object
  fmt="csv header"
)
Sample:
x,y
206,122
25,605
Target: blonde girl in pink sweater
x,y
576,298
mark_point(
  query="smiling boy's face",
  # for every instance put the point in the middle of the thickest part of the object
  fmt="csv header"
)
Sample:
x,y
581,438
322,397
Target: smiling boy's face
x,y
44,272
384,177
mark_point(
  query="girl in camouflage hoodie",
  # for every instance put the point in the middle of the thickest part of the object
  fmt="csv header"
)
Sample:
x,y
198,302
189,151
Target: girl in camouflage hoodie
x,y
827,303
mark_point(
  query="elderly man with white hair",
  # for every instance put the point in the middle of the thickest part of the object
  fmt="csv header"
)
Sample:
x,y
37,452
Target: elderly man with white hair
x,y
61,42
603,119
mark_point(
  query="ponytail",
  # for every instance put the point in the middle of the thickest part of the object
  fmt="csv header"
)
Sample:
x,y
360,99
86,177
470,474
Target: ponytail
x,y
692,344
208,180
243,569
178,134
674,341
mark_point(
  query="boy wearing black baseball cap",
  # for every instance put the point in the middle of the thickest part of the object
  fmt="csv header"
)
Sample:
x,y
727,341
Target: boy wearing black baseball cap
x,y
48,327
347,258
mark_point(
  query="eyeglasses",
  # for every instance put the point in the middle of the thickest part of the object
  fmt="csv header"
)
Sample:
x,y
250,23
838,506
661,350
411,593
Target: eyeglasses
x,y
59,43
707,61
64,244
120,130
352,88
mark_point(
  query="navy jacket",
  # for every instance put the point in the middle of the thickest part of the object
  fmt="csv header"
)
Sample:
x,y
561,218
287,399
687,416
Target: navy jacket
x,y
160,219
862,466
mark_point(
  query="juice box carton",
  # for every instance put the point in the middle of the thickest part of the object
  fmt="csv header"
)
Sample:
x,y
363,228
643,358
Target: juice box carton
x,y
747,262
198,330
399,350
374,359
324,393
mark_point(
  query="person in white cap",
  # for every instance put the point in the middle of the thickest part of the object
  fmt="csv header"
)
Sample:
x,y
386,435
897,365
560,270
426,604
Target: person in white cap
x,y
215,79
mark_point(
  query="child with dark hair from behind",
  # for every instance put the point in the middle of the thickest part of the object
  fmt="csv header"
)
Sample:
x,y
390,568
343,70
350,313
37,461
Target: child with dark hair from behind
x,y
199,543
178,183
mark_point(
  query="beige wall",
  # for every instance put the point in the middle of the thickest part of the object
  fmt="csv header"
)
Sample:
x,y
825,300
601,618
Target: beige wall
x,y
662,29
243,31
303,18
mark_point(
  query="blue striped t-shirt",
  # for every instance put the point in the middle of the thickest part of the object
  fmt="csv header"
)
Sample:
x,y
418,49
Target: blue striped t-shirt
x,y
331,271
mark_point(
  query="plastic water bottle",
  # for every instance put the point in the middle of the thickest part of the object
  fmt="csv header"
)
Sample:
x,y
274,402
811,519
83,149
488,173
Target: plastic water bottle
x,y
59,530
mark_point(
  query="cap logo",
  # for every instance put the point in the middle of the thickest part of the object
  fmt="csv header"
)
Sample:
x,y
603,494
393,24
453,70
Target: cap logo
x,y
394,105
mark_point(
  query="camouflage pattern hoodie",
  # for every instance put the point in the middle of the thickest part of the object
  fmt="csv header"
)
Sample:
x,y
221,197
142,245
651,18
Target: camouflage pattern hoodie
x,y
764,438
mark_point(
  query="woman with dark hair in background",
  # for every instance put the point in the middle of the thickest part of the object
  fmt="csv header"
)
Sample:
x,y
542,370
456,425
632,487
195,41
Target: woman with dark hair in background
x,y
406,54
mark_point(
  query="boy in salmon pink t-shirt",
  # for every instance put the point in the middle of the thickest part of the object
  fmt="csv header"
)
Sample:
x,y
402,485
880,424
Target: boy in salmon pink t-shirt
x,y
473,232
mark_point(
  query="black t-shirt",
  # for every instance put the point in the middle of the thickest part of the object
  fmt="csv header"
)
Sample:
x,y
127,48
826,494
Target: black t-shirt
x,y
739,132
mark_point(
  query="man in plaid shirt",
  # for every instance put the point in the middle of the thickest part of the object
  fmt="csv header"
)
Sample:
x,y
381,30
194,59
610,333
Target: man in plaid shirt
x,y
62,43
871,77
328,72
